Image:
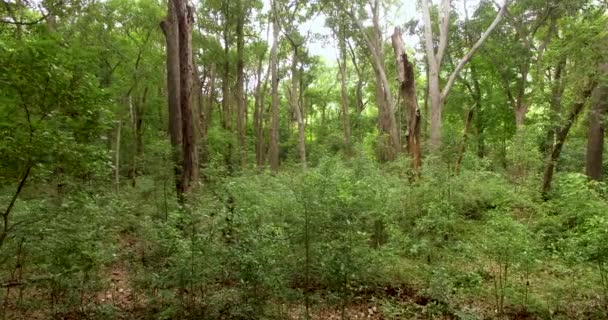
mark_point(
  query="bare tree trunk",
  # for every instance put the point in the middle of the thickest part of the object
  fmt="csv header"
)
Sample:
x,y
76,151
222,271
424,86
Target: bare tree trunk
x,y
561,136
387,122
556,101
359,90
344,97
117,156
407,89
295,105
137,122
190,156
240,95
274,108
206,103
258,113
595,135
436,109
438,96
170,29
226,112
198,107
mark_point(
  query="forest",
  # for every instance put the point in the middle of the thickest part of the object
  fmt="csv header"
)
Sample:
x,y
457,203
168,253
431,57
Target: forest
x,y
303,159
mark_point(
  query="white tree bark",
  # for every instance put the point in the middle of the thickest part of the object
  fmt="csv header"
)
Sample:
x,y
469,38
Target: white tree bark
x,y
437,96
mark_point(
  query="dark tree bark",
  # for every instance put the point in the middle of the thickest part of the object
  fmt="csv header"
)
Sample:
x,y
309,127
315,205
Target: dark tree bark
x,y
138,121
240,81
595,135
227,112
170,29
190,156
561,136
258,113
556,101
407,90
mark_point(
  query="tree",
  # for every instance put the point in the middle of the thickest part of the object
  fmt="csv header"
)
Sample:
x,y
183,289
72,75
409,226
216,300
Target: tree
x,y
179,25
242,12
190,155
561,136
273,150
595,134
372,38
170,29
438,96
407,91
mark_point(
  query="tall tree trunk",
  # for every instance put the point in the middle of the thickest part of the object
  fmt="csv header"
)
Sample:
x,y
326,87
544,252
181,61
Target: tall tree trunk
x,y
240,79
595,135
438,96
274,112
556,101
387,122
206,115
407,89
117,156
190,156
258,113
561,136
436,109
138,114
359,89
226,95
296,107
170,29
344,101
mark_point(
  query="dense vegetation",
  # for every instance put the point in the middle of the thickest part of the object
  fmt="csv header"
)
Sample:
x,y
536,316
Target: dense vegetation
x,y
200,161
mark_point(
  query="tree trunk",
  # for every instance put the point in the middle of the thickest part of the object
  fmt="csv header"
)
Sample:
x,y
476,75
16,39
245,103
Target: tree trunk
x,y
407,89
465,138
274,112
438,96
556,101
561,136
436,109
595,135
226,94
138,114
387,122
359,90
258,113
170,29
206,115
296,107
344,101
190,156
240,78
117,156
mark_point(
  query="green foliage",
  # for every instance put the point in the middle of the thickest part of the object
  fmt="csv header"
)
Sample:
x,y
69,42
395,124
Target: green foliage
x,y
96,230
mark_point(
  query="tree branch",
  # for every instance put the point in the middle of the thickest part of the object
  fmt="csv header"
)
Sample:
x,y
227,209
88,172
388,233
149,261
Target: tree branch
x,y
484,36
